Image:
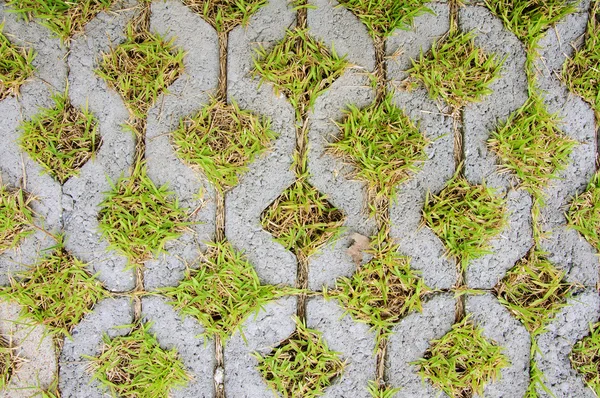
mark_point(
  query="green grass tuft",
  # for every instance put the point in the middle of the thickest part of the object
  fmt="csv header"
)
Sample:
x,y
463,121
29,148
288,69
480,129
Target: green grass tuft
x,y
584,213
529,19
383,17
383,144
465,217
62,138
56,292
300,67
300,366
381,392
64,17
16,217
534,291
225,15
582,71
222,293
15,66
137,218
141,68
222,140
456,70
462,361
530,145
136,366
302,219
384,290
9,362
585,358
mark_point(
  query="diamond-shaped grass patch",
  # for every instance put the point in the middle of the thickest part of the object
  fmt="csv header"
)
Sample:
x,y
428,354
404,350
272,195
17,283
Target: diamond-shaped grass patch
x,y
530,145
300,366
534,291
465,217
138,218
141,68
384,290
383,144
462,361
15,66
56,292
16,217
135,365
62,138
456,70
529,19
581,72
383,17
222,140
63,17
585,358
9,362
225,15
302,219
584,213
222,293
300,67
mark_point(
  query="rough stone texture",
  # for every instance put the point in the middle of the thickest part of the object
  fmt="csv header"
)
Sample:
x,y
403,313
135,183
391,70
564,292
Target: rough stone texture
x,y
17,169
183,334
569,326
354,342
107,318
500,327
327,173
417,241
82,195
33,346
409,341
185,96
567,249
260,333
269,175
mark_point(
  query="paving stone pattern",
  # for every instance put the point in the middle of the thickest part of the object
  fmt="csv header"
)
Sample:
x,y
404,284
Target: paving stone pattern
x,y
73,207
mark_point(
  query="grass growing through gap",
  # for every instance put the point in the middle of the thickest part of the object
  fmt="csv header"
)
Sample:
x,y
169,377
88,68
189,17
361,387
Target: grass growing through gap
x,y
584,213
222,140
9,362
465,217
138,218
383,144
529,19
530,145
141,68
382,17
62,138
222,293
462,361
15,66
225,15
381,392
135,365
456,70
300,366
585,358
300,67
64,17
302,219
56,292
16,216
534,291
382,291
582,71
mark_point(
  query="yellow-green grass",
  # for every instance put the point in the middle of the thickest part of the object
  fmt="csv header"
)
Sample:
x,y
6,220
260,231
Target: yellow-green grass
x,y
16,217
225,15
15,66
585,358
584,213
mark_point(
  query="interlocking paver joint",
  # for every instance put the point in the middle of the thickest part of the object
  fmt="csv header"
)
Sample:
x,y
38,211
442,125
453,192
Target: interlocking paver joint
x,y
306,198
